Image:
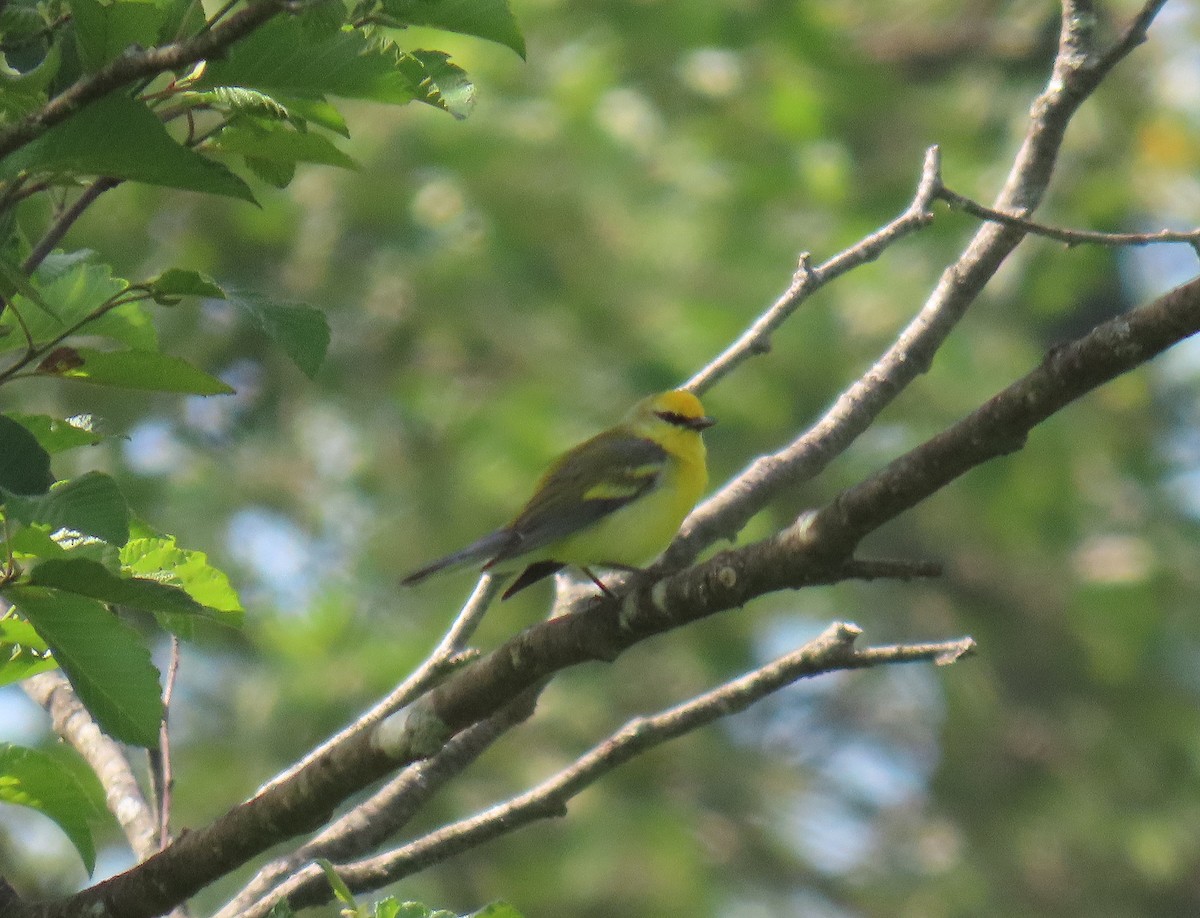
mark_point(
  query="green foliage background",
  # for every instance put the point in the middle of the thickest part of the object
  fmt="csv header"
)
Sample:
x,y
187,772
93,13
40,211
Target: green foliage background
x,y
613,212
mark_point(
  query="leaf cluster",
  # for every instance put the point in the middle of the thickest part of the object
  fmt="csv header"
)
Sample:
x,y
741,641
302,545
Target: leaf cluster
x,y
93,95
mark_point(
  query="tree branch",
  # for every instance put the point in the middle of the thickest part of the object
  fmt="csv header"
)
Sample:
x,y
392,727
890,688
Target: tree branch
x,y
1001,424
137,65
105,757
449,654
1076,72
808,280
386,812
833,650
1071,237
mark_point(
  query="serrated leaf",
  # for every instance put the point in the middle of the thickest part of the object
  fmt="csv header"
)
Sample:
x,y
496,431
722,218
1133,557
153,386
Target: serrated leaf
x,y
24,462
103,31
57,436
122,138
181,282
488,19
107,661
302,331
280,143
444,85
310,56
91,504
148,370
39,781
238,100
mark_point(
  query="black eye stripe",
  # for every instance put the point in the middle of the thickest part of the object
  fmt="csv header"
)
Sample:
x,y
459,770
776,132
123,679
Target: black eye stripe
x,y
674,417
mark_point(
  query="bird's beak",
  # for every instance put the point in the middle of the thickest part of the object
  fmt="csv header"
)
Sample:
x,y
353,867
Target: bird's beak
x,y
701,423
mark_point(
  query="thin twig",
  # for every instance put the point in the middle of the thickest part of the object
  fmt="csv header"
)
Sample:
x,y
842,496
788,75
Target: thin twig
x,y
832,650
53,236
166,775
808,279
1072,237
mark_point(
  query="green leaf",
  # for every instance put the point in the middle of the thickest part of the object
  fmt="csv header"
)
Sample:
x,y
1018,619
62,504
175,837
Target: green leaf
x,y
40,781
319,112
183,19
238,100
444,85
489,19
23,653
308,57
302,331
128,324
91,504
274,173
497,909
57,436
158,557
180,282
69,287
22,93
281,909
147,370
396,909
15,281
122,138
341,891
103,31
92,579
280,143
107,661
24,462
387,908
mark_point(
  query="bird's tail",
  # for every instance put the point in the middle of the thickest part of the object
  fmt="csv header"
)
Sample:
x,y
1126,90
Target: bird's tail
x,y
481,550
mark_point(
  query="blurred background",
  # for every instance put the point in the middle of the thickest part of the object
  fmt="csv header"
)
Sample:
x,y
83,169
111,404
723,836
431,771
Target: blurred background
x,y
616,209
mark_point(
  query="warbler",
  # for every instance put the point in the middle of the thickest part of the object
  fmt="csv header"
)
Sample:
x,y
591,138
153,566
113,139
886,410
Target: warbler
x,y
612,501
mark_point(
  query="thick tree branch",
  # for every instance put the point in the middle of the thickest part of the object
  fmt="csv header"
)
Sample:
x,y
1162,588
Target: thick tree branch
x,y
1000,425
385,812
805,555
831,651
1077,71
808,554
449,654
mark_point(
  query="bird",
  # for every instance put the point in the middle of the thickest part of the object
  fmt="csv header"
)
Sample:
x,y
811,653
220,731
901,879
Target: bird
x,y
613,501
